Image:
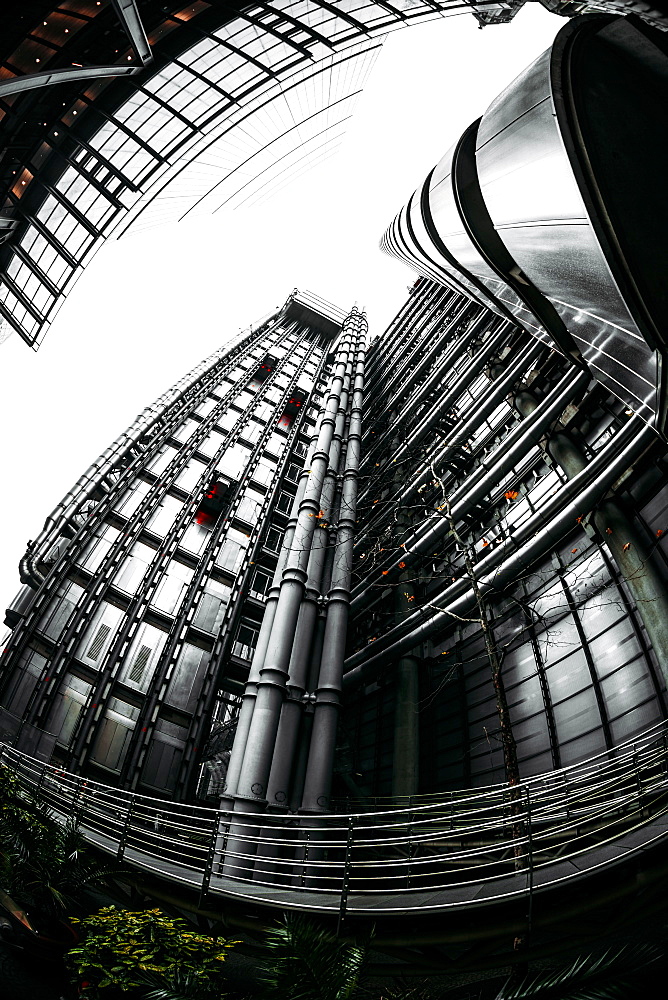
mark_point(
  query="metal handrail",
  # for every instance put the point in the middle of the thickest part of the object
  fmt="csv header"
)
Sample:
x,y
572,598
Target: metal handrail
x,y
504,838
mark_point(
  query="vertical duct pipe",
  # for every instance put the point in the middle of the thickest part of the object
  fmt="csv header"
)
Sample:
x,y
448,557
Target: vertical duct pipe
x,y
292,708
273,674
306,730
250,691
318,780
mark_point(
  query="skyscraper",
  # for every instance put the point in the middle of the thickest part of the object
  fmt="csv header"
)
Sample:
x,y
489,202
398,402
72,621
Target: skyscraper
x,y
513,510
140,569
399,653
176,669
561,260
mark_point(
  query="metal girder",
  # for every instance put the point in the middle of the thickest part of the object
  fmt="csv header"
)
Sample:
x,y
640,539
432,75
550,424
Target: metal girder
x,y
129,17
33,81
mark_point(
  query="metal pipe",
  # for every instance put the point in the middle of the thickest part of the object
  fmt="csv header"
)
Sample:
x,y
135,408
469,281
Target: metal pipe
x,y
427,422
499,389
378,362
273,675
513,447
482,409
306,728
453,351
250,690
292,708
533,539
426,358
328,693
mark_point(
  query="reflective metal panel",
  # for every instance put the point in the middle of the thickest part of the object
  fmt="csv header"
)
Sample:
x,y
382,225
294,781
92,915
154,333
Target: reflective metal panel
x,y
533,198
449,274
451,230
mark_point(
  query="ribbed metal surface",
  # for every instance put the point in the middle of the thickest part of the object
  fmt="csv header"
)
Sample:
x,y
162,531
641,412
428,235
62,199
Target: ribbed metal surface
x,y
518,212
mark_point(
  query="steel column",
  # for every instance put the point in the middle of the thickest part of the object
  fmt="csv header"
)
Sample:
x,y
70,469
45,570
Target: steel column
x,y
273,677
250,796
328,694
250,691
291,712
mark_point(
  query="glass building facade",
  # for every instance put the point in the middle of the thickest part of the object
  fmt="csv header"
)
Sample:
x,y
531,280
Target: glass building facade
x,y
285,644
491,465
141,570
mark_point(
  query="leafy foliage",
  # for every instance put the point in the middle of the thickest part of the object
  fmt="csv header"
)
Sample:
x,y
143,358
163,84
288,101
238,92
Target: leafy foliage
x,y
402,990
606,976
43,864
183,985
121,947
307,963
22,817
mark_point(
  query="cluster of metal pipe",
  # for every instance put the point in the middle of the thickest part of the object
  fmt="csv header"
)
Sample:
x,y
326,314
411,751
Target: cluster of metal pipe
x,y
535,537
283,752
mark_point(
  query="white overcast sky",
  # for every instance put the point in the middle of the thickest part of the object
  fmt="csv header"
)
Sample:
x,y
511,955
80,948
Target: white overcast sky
x,y
149,307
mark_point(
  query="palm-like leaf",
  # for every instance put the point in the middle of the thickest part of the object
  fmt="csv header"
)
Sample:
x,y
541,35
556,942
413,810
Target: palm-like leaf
x,y
307,963
43,864
607,976
402,990
182,985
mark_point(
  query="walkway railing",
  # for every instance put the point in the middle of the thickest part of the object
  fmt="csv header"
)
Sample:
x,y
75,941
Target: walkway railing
x,y
463,848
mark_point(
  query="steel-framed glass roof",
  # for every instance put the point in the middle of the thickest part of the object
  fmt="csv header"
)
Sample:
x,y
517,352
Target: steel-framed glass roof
x,y
250,101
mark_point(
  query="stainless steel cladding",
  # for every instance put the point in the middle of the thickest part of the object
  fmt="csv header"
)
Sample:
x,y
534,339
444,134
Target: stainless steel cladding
x,y
445,221
550,206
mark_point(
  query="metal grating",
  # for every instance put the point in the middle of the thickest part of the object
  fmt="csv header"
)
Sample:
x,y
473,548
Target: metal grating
x,y
139,665
96,645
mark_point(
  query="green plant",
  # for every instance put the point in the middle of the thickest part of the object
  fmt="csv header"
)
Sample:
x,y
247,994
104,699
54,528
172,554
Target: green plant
x,y
308,963
126,950
400,989
611,975
23,818
43,863
182,985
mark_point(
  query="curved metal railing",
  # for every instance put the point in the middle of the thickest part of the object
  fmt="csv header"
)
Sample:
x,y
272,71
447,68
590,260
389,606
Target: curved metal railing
x,y
463,848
